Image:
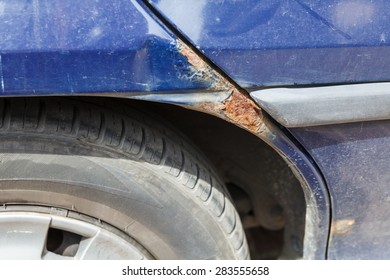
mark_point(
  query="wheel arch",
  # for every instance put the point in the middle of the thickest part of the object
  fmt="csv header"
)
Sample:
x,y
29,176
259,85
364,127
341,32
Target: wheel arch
x,y
280,146
278,174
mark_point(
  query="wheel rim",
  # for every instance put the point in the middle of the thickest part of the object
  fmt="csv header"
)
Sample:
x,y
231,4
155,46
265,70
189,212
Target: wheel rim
x,y
33,236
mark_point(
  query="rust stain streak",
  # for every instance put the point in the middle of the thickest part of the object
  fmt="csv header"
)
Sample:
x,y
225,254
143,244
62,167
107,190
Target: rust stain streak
x,y
342,227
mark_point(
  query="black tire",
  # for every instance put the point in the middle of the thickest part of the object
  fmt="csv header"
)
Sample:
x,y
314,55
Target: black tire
x,y
122,168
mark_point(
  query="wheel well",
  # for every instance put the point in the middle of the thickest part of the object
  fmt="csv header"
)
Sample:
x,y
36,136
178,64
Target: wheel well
x,y
267,195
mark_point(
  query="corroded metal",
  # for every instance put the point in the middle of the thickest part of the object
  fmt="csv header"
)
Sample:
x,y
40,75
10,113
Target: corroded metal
x,y
238,108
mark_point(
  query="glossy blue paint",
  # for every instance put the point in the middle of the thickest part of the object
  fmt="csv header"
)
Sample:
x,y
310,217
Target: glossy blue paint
x,y
354,159
51,47
288,42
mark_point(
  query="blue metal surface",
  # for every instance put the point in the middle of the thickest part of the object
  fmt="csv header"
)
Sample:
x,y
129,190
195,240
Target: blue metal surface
x,y
87,46
354,159
289,42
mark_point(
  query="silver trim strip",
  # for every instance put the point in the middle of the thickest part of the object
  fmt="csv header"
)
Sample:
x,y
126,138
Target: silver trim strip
x,y
302,107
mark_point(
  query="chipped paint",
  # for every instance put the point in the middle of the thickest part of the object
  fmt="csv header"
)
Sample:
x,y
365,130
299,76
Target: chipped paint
x,y
238,108
341,227
201,69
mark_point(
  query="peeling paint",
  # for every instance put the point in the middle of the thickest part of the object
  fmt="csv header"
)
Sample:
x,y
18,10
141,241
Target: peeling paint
x,y
342,226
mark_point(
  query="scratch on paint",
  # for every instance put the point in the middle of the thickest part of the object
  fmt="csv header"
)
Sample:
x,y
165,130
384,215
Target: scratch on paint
x,y
36,23
70,84
1,75
323,20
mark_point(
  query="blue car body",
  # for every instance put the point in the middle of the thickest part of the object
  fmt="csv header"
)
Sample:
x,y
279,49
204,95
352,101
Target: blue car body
x,y
150,50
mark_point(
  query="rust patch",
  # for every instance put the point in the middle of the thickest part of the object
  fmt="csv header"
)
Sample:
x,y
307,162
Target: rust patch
x,y
238,108
342,226
243,111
